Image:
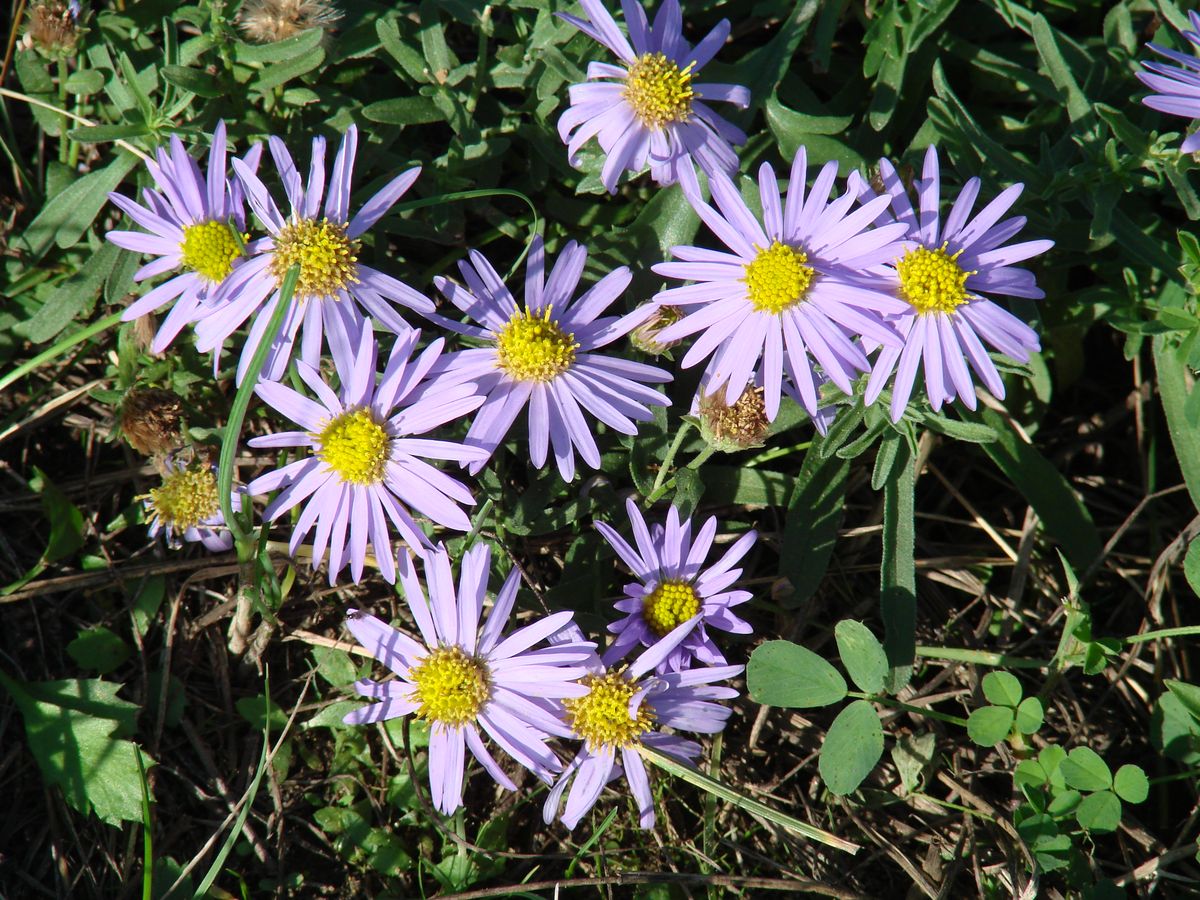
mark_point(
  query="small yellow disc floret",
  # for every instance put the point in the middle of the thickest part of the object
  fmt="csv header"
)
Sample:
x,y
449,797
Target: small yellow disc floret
x,y
450,686
601,717
328,258
210,249
186,498
534,347
659,91
669,605
355,446
778,278
932,280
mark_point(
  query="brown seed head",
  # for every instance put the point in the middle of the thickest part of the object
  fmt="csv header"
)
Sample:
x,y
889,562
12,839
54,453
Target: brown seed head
x,y
150,420
267,21
52,29
738,427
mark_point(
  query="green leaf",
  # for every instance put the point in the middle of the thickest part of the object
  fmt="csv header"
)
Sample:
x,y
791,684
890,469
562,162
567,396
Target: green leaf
x,y
769,63
1100,811
335,666
1191,565
667,221
989,725
198,82
1131,784
1002,689
1170,367
1029,774
1187,694
74,730
1063,515
781,673
66,521
294,47
84,82
276,74
99,134
74,297
65,218
852,747
862,655
1064,802
811,527
416,110
1030,715
898,574
1085,770
912,755
1079,107
98,649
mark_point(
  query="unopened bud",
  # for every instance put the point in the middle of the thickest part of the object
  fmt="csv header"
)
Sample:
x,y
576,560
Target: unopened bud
x,y
645,336
150,420
731,428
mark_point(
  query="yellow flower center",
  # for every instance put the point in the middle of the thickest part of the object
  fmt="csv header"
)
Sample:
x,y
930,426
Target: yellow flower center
x,y
601,717
932,281
659,91
450,686
210,248
356,447
533,347
186,498
327,257
670,604
778,278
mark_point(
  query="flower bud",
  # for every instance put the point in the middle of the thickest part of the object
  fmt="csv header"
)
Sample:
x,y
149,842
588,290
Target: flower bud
x,y
645,336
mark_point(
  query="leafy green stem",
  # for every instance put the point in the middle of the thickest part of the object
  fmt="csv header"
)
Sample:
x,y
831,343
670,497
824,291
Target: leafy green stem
x,y
908,707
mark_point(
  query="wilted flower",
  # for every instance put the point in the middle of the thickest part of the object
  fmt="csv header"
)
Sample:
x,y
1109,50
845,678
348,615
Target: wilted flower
x,y
187,506
543,357
651,108
792,291
674,587
732,428
942,274
54,28
622,711
267,21
367,466
461,679
150,420
1177,90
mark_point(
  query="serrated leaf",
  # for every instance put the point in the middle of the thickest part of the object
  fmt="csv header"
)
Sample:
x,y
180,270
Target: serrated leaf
x,y
852,747
99,650
75,731
781,673
989,725
1002,689
1131,784
1085,770
862,655
1099,812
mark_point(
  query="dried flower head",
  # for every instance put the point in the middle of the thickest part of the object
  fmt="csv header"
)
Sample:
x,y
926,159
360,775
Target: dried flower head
x,y
53,28
150,420
645,336
267,21
738,427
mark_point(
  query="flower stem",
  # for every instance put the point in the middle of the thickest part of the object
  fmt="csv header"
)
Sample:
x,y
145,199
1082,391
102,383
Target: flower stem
x,y
656,491
245,539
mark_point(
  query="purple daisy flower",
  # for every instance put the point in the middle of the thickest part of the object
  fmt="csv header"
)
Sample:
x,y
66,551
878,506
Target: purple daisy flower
x,y
620,713
187,506
1177,90
366,467
461,679
543,356
940,277
792,290
195,222
650,109
673,587
334,289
